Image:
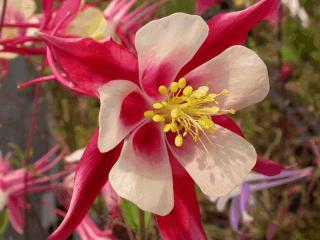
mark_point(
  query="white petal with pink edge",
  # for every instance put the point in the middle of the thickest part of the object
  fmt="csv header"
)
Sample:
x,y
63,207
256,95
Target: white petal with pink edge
x,y
240,71
222,167
164,46
143,172
112,130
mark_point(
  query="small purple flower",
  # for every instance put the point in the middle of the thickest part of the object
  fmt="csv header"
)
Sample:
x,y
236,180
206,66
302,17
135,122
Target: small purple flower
x,y
242,199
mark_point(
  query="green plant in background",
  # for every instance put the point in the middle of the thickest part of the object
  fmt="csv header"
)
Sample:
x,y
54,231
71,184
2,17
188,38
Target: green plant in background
x,y
281,128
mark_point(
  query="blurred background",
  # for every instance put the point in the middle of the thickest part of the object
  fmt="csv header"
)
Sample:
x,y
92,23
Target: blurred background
x,y
285,128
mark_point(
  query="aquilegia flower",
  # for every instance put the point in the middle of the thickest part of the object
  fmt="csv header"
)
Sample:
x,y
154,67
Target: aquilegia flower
x,y
118,20
179,119
243,199
157,108
15,32
13,186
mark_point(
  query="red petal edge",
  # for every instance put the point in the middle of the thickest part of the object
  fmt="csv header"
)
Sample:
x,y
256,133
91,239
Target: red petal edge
x,y
268,167
228,29
184,221
90,64
91,176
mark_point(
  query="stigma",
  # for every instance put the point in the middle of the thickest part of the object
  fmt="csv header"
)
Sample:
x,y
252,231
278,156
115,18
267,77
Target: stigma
x,y
187,111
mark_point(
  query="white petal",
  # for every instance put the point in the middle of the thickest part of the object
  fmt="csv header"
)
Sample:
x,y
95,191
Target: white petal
x,y
164,46
224,167
74,156
3,200
111,129
222,201
97,27
143,173
237,69
26,7
246,217
68,181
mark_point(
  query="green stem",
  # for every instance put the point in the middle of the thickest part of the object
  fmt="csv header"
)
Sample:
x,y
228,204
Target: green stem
x,y
142,225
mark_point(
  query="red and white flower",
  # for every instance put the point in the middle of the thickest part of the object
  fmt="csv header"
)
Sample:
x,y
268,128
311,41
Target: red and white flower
x,y
118,21
20,24
148,114
142,162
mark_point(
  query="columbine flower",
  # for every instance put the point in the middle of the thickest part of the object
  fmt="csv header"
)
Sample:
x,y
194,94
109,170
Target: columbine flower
x,y
12,184
117,21
177,47
243,200
17,30
178,115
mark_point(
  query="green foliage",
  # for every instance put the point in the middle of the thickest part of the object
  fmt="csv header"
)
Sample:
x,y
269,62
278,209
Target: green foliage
x,y
4,222
131,215
18,155
269,126
173,6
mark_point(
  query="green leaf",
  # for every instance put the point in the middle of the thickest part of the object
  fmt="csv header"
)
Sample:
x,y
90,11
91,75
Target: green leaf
x,y
131,214
290,54
4,221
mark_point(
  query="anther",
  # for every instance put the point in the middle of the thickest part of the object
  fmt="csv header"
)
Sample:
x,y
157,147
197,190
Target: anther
x,y
187,91
178,141
157,105
175,113
167,127
182,83
174,127
149,114
187,112
158,118
174,87
163,90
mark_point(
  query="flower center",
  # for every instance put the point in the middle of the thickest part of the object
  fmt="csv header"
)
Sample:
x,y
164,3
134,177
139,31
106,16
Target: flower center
x,y
187,111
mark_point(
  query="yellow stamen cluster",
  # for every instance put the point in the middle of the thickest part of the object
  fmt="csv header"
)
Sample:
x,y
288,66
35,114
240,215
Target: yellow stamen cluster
x,y
187,111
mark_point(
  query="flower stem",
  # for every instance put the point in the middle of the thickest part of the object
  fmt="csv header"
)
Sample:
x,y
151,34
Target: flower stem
x,y
3,13
142,224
